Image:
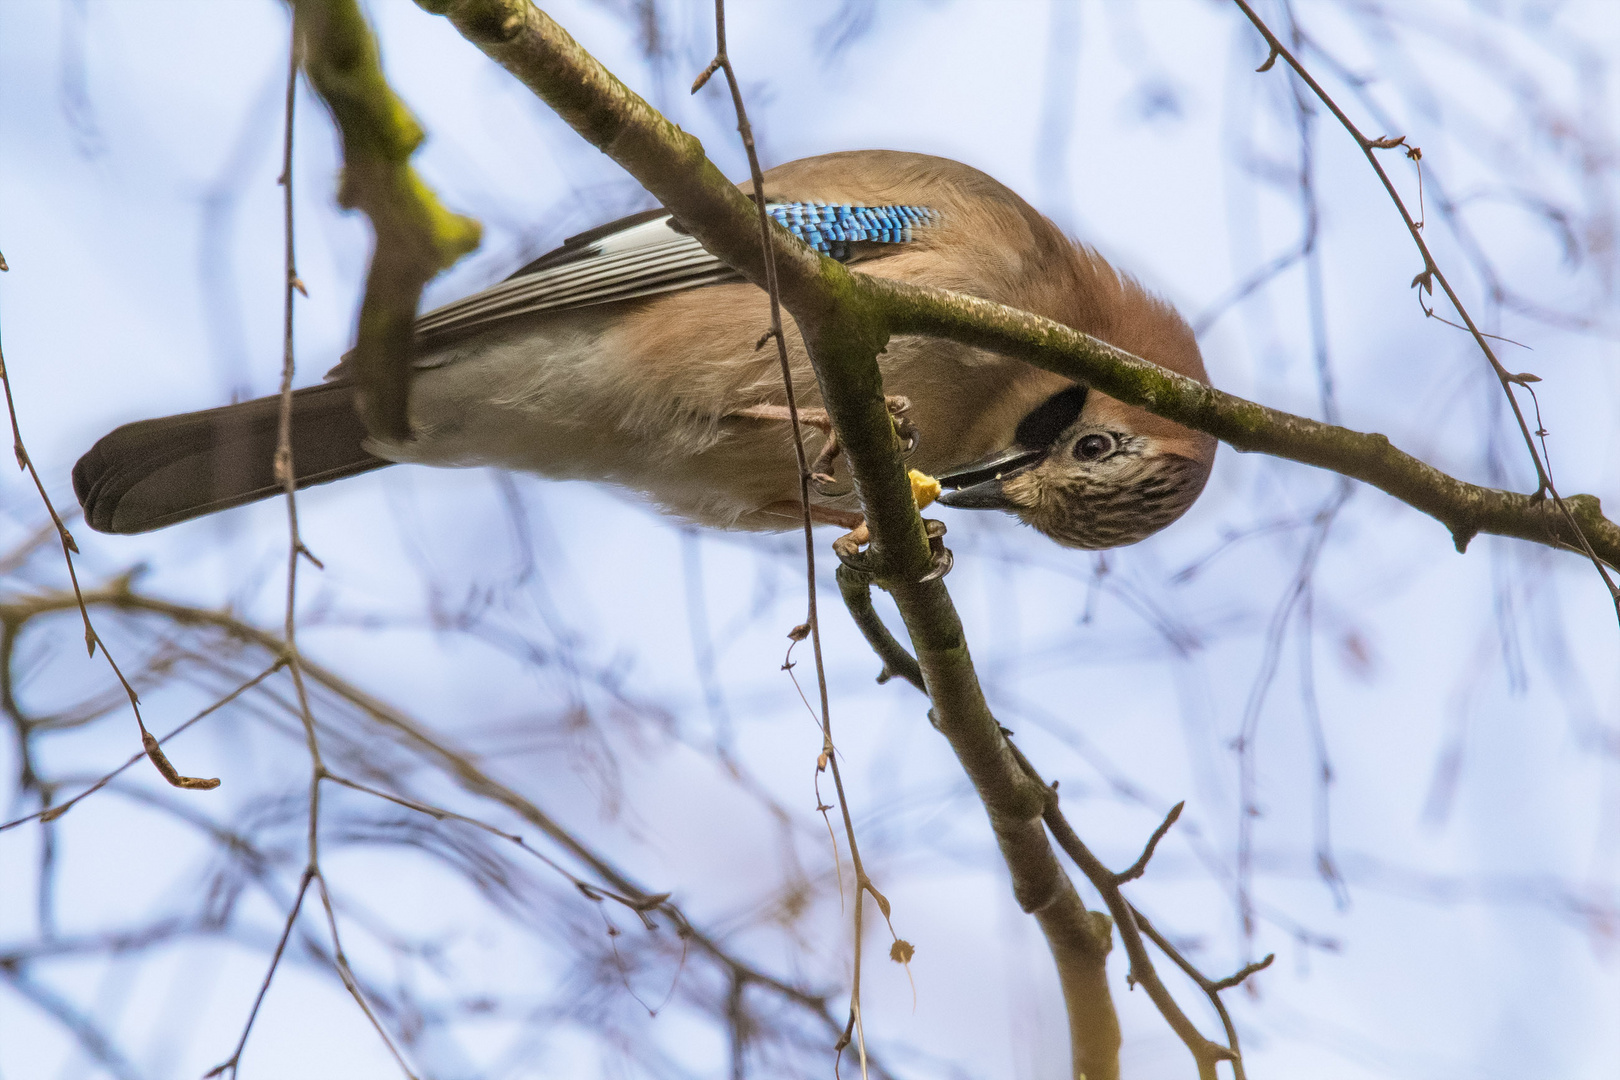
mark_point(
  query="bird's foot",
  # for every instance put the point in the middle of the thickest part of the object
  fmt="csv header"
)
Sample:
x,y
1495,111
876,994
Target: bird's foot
x,y
848,549
903,427
939,555
809,417
822,471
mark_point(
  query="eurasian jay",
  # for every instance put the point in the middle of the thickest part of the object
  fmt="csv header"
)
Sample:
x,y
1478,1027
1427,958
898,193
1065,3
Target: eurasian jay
x,y
629,356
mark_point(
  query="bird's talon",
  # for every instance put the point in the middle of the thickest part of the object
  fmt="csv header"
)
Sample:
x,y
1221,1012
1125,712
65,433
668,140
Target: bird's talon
x,y
898,406
826,485
939,554
848,549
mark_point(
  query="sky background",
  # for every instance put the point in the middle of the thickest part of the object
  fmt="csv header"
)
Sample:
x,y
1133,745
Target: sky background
x,y
623,671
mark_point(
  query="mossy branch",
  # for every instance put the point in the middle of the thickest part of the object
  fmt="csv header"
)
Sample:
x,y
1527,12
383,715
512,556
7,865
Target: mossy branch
x,y
416,237
1464,509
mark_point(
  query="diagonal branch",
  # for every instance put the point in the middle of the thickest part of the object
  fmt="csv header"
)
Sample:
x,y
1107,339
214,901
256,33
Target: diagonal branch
x,y
1429,275
846,319
669,163
416,237
843,330
1463,508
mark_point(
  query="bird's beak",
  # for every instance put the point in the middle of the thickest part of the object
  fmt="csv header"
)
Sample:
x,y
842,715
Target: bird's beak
x,y
978,486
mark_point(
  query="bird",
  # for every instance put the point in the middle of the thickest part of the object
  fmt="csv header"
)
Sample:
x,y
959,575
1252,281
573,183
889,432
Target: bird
x,y
630,356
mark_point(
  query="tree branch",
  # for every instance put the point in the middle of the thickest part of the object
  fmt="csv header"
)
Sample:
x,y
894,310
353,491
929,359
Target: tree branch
x,y
416,237
846,319
843,329
461,768
1464,509
669,163
857,592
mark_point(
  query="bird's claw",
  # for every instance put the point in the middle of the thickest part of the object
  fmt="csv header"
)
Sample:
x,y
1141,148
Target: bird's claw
x,y
821,471
848,549
898,406
939,555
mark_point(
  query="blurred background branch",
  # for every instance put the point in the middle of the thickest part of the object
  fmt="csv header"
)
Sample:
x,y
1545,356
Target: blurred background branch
x,y
1285,652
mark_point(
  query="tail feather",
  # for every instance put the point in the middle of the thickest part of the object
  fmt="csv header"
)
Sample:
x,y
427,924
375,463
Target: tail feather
x,y
153,473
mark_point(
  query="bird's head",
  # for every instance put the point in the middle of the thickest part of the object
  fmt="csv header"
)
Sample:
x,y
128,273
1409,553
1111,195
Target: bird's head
x,y
1089,474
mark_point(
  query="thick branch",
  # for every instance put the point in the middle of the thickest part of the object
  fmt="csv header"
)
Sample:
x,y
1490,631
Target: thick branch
x,y
844,323
416,237
1465,509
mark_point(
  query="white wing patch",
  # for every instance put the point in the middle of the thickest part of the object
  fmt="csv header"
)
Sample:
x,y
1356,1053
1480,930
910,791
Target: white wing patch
x,y
642,260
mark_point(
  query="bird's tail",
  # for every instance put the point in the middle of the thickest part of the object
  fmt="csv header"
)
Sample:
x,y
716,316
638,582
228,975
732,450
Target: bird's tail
x,y
154,473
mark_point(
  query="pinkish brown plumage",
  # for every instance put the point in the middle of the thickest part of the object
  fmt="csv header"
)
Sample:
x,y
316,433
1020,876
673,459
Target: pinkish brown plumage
x,y
661,393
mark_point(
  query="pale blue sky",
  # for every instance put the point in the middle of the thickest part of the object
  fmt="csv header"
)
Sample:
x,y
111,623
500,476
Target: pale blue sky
x,y
142,226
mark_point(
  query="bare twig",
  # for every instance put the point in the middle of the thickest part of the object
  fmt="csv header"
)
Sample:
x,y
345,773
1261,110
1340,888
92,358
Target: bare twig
x,y
1139,867
1430,275
610,881
1212,989
56,810
829,753
1106,882
233,1063
154,751
151,746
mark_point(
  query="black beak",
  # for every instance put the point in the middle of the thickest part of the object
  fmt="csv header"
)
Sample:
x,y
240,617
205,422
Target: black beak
x,y
978,486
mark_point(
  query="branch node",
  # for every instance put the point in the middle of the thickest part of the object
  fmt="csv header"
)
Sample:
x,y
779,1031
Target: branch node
x,y
699,83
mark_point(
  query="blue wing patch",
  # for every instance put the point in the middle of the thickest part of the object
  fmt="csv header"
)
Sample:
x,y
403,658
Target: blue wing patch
x,y
648,253
831,227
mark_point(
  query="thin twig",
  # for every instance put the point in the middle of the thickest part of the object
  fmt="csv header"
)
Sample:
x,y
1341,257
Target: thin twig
x,y
459,767
1139,867
641,906
232,1063
829,755
1431,274
1211,989
154,752
1205,1053
51,813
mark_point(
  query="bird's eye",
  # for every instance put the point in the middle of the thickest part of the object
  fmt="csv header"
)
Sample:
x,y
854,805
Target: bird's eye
x,y
1092,447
